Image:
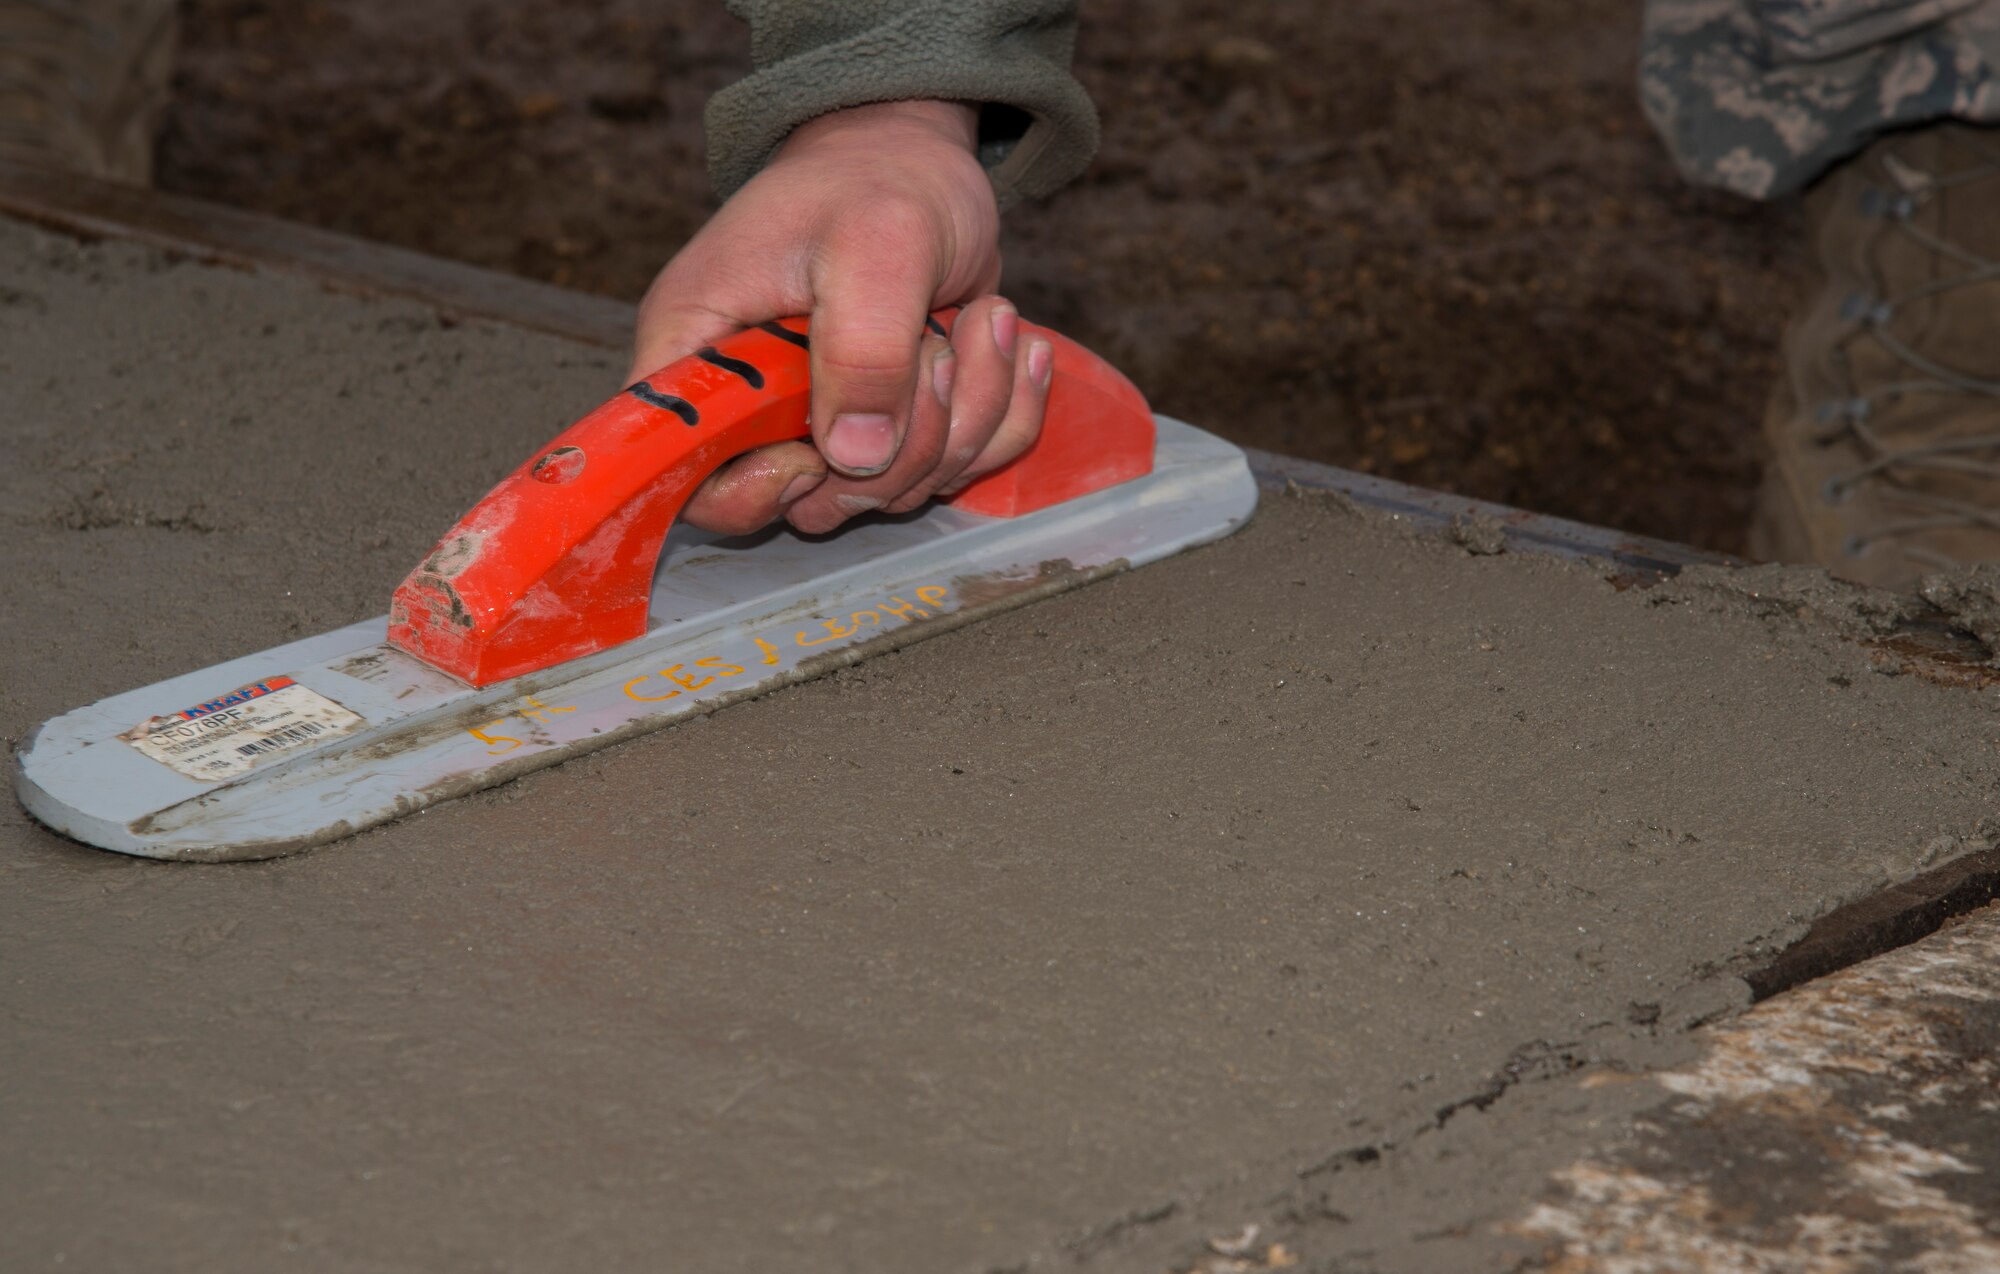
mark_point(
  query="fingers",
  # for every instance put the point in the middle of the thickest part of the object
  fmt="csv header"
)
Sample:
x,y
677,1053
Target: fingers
x,y
986,339
866,220
841,497
979,406
976,404
755,489
897,414
868,342
1029,402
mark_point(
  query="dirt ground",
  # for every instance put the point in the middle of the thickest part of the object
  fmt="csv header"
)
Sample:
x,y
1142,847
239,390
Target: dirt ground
x,y
1429,239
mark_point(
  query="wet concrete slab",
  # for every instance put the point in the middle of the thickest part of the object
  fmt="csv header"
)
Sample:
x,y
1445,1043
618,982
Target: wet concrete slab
x,y
1275,881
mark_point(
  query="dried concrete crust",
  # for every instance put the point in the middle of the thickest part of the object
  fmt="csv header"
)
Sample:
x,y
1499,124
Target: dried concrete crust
x,y
1778,591
1287,870
1847,1126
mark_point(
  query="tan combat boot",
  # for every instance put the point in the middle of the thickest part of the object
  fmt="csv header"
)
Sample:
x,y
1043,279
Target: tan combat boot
x,y
83,83
1885,427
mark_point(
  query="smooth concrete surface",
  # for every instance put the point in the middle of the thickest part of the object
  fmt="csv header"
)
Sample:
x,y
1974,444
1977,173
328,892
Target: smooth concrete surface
x,y
1287,879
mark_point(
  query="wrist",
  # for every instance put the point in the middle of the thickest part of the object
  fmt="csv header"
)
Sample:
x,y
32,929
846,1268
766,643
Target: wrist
x,y
956,123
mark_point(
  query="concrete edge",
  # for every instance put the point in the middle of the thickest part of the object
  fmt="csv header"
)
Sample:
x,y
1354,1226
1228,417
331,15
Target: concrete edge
x,y
89,208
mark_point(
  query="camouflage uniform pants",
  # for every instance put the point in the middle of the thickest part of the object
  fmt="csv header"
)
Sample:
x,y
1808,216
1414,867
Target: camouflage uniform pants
x,y
1762,96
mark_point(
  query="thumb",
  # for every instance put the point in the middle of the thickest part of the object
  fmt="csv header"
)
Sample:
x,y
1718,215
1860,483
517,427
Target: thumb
x,y
867,334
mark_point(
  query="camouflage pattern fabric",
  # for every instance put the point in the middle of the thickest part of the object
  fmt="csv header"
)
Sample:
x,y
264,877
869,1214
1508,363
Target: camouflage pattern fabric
x,y
1761,96
84,83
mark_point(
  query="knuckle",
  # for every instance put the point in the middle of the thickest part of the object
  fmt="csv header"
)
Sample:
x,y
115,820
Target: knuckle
x,y
981,413
867,360
813,519
923,448
1013,438
731,519
910,499
741,524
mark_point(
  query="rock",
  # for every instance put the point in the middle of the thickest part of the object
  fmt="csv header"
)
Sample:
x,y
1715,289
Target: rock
x,y
1478,535
1969,596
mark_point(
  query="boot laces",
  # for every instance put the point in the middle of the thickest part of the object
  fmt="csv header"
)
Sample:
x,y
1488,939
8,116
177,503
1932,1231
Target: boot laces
x,y
1974,455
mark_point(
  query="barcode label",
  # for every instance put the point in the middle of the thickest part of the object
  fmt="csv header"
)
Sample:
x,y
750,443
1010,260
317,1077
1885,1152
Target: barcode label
x,y
283,738
234,733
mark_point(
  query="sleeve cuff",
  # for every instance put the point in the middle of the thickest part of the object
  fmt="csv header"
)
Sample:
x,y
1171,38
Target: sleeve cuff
x,y
910,59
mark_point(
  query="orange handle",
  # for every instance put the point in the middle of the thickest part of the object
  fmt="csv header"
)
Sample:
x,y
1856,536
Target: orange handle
x,y
557,561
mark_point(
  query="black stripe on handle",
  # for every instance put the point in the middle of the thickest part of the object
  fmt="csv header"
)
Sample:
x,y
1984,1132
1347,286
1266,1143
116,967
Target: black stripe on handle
x,y
716,358
681,407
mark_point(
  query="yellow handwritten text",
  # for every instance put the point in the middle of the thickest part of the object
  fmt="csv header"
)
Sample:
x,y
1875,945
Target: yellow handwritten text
x,y
534,713
493,741
678,675
538,712
675,680
930,595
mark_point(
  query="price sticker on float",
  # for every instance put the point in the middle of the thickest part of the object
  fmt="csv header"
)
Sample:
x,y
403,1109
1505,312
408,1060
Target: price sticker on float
x,y
234,733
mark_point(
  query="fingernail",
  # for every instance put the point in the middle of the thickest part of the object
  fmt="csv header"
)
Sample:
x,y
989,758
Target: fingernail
x,y
1041,363
861,443
1006,326
797,488
943,372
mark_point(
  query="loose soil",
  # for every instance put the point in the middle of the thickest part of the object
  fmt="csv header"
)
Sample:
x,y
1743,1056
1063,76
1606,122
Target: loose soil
x,y
1429,239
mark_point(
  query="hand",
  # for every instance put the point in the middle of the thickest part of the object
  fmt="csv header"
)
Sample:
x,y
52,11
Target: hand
x,y
866,220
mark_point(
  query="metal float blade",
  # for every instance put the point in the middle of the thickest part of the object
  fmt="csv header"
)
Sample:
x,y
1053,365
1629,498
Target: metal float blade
x,y
321,738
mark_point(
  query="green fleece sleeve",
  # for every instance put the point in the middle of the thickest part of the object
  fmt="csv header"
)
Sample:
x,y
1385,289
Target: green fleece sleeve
x,y
1038,129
